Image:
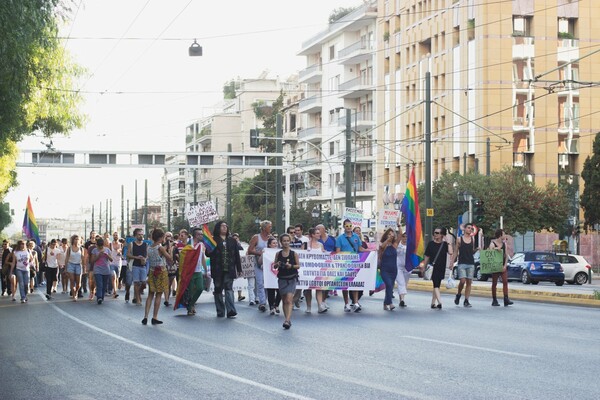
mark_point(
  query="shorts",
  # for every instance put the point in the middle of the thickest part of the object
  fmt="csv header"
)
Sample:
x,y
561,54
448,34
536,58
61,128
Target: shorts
x,y
74,268
115,269
139,274
287,286
466,271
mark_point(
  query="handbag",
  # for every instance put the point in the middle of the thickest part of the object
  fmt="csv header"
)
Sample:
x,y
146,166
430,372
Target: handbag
x,y
429,269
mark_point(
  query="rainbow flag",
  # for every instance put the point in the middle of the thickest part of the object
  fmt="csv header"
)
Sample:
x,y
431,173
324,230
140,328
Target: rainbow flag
x,y
415,247
30,228
207,239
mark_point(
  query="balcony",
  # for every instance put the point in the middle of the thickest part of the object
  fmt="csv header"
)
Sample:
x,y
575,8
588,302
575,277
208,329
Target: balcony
x,y
357,87
360,120
359,187
312,74
519,159
309,164
568,50
520,123
523,47
312,104
313,134
356,53
308,193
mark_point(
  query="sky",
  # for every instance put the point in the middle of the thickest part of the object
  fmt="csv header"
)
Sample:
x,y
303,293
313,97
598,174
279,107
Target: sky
x,y
141,89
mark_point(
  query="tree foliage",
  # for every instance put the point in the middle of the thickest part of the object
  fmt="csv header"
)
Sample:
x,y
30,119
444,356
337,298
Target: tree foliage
x,y
506,193
590,200
340,12
36,76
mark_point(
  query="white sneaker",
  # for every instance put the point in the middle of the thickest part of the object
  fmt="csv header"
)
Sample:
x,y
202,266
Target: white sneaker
x,y
353,307
347,308
357,307
322,308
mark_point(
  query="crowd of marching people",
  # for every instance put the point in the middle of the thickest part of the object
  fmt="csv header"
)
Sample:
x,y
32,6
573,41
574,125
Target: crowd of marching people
x,y
172,270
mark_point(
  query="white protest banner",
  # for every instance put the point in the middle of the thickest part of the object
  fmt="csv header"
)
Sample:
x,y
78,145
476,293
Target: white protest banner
x,y
325,271
202,213
389,218
353,214
248,266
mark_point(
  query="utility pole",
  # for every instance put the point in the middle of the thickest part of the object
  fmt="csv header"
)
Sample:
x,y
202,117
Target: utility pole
x,y
128,220
168,204
229,189
488,161
278,174
135,210
146,206
92,219
100,220
428,203
122,211
195,186
348,164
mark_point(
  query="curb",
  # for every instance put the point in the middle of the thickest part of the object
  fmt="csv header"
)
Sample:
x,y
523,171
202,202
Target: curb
x,y
572,299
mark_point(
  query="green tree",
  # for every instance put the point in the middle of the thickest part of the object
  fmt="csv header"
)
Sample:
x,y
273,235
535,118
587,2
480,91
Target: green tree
x,y
590,201
506,193
340,12
36,76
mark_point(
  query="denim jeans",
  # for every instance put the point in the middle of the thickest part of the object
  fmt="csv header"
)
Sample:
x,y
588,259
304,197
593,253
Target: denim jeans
x,y
23,278
224,283
260,285
389,276
101,285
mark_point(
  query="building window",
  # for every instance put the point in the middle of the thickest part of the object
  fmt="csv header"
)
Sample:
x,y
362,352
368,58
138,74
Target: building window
x,y
332,52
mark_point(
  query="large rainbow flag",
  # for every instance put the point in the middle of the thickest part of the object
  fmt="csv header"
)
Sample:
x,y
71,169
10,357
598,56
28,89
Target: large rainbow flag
x,y
30,228
415,247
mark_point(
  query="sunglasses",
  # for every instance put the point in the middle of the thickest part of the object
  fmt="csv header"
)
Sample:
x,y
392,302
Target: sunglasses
x,y
437,232
348,226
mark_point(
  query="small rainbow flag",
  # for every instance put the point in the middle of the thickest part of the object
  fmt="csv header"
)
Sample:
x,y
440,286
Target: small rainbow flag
x,y
30,228
208,239
415,247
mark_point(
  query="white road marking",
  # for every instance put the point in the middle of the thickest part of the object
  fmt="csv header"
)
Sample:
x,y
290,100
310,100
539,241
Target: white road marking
x,y
184,361
468,346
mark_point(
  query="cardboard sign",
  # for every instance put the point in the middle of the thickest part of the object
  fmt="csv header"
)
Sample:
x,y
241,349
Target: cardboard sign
x,y
389,218
491,261
354,215
202,213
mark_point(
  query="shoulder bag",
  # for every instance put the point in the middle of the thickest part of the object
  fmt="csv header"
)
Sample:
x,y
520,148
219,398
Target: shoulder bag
x,y
429,269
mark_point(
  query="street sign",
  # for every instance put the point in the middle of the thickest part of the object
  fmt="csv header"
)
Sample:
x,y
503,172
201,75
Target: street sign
x,y
430,212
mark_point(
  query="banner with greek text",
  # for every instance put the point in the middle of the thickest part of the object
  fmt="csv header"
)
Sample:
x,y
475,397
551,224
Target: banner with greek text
x,y
324,271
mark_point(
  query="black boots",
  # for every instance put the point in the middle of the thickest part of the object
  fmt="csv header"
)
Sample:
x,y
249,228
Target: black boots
x,y
495,303
507,301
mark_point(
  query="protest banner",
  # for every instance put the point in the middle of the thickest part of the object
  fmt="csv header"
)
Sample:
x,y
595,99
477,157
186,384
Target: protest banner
x,y
325,271
389,218
491,261
354,215
248,263
202,213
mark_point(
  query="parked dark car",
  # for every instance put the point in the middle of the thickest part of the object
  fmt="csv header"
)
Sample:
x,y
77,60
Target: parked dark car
x,y
535,266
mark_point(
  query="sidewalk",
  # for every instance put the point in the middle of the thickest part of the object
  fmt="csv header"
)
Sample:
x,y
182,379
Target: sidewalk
x,y
545,293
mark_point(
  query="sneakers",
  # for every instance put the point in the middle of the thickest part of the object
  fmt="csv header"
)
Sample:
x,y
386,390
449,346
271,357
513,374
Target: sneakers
x,y
272,311
347,308
457,299
297,305
466,303
48,297
402,303
308,311
99,301
357,307
251,303
241,298
262,308
231,314
322,308
277,310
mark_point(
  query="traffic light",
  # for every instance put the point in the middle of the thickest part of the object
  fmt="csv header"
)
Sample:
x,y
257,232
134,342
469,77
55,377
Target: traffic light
x,y
174,212
478,211
253,137
335,222
327,219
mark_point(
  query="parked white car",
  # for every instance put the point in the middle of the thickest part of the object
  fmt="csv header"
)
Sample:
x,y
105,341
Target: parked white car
x,y
576,268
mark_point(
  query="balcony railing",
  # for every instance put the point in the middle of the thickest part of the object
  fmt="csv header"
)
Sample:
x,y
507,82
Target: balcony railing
x,y
310,132
313,192
356,83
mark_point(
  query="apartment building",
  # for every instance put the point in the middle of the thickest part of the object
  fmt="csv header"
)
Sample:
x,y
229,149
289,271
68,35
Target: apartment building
x,y
339,78
509,86
227,128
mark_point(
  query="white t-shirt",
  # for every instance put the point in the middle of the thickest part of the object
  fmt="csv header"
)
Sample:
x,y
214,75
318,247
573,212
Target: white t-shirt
x,y
199,265
52,257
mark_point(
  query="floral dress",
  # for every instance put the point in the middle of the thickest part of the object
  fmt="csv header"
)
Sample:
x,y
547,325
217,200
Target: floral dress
x,y
158,278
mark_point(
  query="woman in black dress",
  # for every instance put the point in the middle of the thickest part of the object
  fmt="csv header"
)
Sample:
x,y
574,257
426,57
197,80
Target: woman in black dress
x,y
436,253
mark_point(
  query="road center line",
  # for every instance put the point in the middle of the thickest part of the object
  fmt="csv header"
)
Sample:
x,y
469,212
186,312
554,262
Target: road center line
x,y
468,346
184,361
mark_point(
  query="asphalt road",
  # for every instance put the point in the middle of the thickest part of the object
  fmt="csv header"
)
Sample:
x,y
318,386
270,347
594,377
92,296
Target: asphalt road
x,y
66,350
